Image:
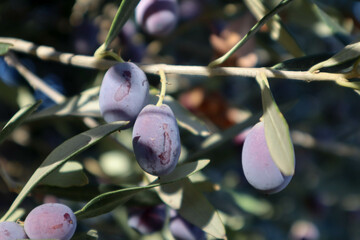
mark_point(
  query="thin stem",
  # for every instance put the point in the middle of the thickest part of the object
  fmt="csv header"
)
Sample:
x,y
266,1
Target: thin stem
x,y
49,53
252,32
101,53
163,87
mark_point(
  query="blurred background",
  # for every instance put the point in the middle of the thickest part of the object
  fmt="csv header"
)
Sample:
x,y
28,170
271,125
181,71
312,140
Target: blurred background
x,y
323,199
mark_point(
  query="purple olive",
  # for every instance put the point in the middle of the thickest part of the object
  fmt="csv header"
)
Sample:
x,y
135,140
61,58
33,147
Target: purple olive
x,y
181,229
147,220
156,140
157,17
11,231
123,93
259,168
50,220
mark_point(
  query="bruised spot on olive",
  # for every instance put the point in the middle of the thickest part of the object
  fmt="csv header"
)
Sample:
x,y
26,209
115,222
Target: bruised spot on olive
x,y
123,93
156,140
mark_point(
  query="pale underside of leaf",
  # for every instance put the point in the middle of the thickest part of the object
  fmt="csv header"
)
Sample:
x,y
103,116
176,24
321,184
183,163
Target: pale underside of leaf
x,y
350,52
193,206
69,174
276,130
85,104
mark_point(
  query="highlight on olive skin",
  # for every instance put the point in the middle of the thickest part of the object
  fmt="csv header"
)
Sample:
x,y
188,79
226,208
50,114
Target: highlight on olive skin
x,y
157,17
50,221
156,140
259,168
123,93
11,231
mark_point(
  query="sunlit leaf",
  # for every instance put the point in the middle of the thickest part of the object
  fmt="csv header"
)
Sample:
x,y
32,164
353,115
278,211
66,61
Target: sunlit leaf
x,y
68,175
123,13
85,104
108,201
301,63
278,32
90,235
276,130
350,52
61,154
251,33
4,48
348,84
16,215
250,204
17,119
193,206
334,26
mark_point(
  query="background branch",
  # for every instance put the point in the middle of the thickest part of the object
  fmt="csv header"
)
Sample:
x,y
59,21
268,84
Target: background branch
x,y
34,81
49,53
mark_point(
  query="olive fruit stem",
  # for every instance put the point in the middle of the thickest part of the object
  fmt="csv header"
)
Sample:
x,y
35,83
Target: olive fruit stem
x,y
163,87
103,53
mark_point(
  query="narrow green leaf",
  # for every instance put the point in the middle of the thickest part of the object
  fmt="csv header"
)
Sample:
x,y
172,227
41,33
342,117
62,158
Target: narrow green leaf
x,y
123,13
85,104
334,26
252,205
276,130
185,118
184,170
90,235
108,201
348,84
70,174
16,215
278,31
350,52
301,63
4,48
193,206
251,33
61,154
17,119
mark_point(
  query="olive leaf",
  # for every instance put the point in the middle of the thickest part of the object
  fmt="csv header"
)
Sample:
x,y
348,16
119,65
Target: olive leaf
x,y
4,48
123,13
278,31
61,154
193,206
85,104
71,174
276,130
17,119
350,52
106,202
